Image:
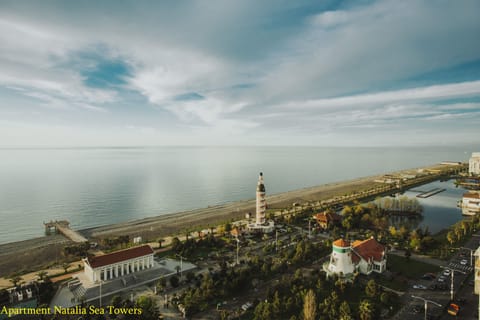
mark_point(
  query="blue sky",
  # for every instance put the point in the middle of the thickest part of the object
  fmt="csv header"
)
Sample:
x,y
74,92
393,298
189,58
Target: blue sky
x,y
327,73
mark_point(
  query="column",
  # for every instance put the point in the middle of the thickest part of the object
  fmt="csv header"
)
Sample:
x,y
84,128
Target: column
x,y
105,274
121,269
116,271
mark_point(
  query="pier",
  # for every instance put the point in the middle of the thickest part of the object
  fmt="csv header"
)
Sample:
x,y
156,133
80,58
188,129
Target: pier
x,y
430,193
63,227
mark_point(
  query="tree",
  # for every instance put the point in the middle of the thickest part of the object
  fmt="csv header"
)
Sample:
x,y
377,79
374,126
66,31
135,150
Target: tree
x,y
15,280
42,275
160,241
149,308
174,281
310,306
65,266
345,312
365,310
371,288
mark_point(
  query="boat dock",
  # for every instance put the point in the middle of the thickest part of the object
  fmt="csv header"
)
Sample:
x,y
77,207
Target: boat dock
x,y
429,193
63,227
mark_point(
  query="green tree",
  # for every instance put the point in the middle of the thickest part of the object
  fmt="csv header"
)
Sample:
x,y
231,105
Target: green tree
x,y
344,311
15,280
310,306
65,266
365,310
149,308
371,289
174,281
42,275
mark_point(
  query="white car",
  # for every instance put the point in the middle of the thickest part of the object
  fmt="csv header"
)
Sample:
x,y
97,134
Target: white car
x,y
419,286
464,262
446,273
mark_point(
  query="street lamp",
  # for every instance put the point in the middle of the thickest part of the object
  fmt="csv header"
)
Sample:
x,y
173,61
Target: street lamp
x,y
471,255
181,263
238,248
452,272
426,304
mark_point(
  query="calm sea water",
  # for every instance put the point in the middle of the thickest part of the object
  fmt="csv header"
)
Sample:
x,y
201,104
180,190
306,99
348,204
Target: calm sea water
x,y
97,186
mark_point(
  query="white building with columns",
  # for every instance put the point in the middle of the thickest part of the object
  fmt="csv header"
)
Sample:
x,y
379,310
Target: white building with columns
x,y
118,263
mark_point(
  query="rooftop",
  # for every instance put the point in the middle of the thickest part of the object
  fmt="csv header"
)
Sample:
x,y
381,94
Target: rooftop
x,y
369,248
118,256
341,243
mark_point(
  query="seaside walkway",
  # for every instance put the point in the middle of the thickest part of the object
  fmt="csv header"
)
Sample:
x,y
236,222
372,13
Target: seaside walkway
x,y
63,227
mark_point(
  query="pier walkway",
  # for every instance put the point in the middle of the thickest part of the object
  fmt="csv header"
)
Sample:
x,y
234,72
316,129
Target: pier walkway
x,y
430,193
63,227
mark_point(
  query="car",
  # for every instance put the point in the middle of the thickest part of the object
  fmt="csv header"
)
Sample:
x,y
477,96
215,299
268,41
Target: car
x,y
419,286
417,309
453,309
464,262
441,279
446,273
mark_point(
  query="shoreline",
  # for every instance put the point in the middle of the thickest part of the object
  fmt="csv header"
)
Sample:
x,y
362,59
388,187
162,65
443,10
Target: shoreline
x,y
153,228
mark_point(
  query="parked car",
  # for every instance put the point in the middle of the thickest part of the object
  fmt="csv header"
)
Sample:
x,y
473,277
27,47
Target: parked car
x,y
419,286
464,262
446,273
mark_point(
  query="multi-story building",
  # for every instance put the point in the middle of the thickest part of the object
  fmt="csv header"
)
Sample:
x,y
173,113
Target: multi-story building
x,y
474,164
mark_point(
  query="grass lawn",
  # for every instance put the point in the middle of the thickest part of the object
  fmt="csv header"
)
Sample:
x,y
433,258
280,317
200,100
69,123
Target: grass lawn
x,y
409,268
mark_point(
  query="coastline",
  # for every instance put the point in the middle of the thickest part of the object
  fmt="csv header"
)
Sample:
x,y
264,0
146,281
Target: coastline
x,y
32,253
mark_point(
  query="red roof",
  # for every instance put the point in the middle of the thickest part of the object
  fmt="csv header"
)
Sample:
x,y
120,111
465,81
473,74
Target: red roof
x,y
368,249
341,243
327,216
119,256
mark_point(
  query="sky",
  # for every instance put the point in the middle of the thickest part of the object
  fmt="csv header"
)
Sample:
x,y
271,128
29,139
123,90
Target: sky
x,y
249,72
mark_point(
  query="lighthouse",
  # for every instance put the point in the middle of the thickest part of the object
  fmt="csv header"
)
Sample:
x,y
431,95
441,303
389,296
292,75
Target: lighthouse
x,y
261,224
341,258
261,203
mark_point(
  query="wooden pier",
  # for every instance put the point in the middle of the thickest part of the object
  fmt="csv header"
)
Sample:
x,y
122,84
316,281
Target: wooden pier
x,y
63,227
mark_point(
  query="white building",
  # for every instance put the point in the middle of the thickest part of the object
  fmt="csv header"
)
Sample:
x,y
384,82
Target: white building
x,y
471,203
365,257
118,263
474,164
261,207
477,271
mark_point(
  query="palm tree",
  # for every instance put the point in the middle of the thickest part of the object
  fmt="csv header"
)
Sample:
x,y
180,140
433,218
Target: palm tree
x,y
15,280
310,306
160,241
365,310
42,275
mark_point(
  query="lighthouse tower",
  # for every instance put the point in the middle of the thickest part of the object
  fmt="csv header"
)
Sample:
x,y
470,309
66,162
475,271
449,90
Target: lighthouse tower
x,y
341,258
261,203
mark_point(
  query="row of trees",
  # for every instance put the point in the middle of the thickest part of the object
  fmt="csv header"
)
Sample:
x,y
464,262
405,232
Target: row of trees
x,y
462,229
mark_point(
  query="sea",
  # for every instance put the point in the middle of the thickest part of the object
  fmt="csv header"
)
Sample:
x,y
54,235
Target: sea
x,y
97,186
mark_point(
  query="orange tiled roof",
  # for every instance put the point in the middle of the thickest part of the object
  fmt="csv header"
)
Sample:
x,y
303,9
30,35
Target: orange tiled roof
x,y
368,249
327,216
119,256
341,243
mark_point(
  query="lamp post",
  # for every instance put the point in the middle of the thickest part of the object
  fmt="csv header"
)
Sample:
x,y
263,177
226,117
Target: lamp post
x,y
181,263
426,304
238,249
452,273
471,255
